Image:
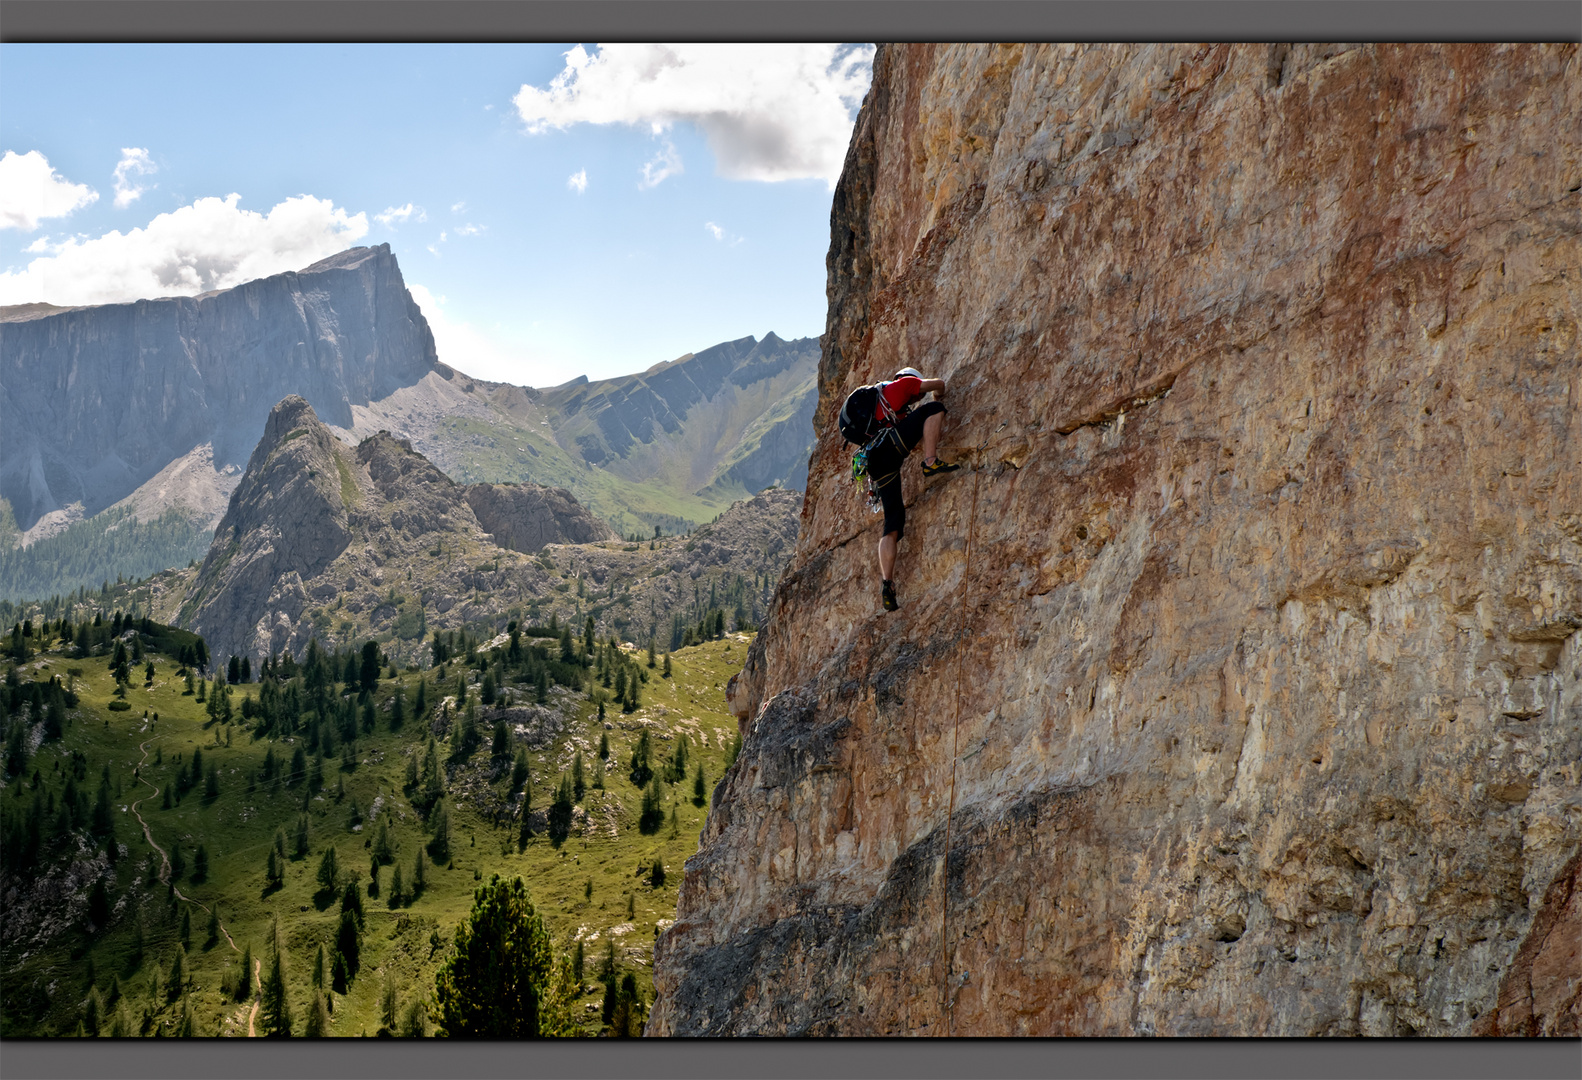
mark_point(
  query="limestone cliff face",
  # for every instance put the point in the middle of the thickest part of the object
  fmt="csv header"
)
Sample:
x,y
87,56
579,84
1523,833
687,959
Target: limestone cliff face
x,y
95,401
1237,686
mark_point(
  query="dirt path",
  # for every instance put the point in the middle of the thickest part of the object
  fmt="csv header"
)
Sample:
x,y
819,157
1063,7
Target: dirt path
x,y
258,983
164,859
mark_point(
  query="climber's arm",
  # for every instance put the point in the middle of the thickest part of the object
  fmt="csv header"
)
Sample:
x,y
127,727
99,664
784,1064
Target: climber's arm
x,y
936,385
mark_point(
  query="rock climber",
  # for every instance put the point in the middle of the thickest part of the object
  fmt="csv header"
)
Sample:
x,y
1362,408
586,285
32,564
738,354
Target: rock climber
x,y
913,423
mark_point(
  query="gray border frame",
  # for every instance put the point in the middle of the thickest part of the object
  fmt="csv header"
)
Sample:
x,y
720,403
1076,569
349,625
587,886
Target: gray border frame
x,y
791,20
774,1059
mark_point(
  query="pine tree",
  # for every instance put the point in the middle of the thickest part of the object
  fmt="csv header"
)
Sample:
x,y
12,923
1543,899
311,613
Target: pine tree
x,y
666,672
653,812
318,1025
329,870
398,708
397,889
244,987
641,769
419,875
276,1009
439,844
302,836
519,771
93,1011
700,793
177,979
502,979
388,1004
604,745
318,968
383,853
214,927
200,865
349,943
579,784
352,901
560,812
185,934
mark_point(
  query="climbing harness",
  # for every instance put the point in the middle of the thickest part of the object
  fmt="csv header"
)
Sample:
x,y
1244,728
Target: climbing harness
x,y
859,465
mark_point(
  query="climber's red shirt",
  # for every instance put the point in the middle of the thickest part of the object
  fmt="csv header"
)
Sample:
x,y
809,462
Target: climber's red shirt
x,y
899,393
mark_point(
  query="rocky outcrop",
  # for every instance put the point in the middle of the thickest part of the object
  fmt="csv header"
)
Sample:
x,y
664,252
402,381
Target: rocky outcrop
x,y
96,401
1237,684
525,517
322,540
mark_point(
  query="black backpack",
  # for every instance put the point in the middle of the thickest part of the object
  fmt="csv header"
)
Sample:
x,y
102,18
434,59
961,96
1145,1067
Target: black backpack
x,y
859,421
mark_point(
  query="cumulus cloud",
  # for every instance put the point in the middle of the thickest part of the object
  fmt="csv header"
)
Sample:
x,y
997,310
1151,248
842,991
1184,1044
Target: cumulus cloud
x,y
769,112
134,162
578,181
469,229
212,244
400,215
664,164
30,190
718,233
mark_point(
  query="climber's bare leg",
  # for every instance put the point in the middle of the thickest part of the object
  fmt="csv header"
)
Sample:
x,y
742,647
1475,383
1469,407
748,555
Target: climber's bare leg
x,y
931,427
887,545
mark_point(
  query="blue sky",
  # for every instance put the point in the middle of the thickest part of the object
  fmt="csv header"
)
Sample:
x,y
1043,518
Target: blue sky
x,y
526,276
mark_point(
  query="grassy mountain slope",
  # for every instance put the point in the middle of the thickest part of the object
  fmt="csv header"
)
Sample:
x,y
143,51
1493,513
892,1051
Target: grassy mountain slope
x,y
52,954
671,446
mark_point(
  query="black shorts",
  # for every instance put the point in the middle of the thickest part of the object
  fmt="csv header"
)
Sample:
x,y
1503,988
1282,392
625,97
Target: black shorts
x,y
884,465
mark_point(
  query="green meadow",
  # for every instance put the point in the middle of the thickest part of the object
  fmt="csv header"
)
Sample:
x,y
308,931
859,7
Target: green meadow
x,y
597,886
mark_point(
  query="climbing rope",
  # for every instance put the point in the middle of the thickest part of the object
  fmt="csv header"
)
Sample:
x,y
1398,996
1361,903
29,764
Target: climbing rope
x,y
946,1007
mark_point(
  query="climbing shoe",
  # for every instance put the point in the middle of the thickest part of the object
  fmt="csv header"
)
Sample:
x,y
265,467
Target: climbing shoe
x,y
940,466
889,596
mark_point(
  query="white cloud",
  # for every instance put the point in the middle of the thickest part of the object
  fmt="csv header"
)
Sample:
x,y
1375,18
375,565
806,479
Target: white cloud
x,y
212,244
769,112
457,208
30,190
134,162
400,215
719,233
434,247
469,229
664,164
578,181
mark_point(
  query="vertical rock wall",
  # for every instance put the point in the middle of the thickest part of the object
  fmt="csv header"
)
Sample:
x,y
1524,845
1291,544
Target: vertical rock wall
x,y
1240,676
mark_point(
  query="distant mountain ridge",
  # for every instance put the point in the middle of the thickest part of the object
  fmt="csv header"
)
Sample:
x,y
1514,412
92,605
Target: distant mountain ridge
x,y
671,446
149,409
96,401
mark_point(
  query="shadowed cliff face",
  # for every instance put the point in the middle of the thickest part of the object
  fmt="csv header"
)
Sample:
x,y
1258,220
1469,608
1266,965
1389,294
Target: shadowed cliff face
x,y
1237,684
96,401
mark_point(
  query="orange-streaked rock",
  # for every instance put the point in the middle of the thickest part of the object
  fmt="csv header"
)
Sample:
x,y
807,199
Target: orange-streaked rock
x,y
1247,651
